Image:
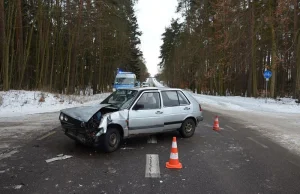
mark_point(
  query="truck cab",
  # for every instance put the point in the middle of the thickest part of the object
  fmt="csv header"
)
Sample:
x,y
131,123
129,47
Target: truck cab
x,y
124,80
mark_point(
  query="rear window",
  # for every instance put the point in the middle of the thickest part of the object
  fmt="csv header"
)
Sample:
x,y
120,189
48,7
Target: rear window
x,y
170,98
174,98
182,99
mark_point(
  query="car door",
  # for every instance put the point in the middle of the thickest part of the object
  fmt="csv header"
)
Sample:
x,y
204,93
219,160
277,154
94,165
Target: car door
x,y
176,108
146,114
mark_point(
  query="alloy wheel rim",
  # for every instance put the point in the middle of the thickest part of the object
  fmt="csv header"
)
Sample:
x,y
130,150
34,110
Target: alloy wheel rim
x,y
188,127
113,139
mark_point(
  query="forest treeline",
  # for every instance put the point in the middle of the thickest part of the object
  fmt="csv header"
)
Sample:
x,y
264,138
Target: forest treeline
x,y
64,45
224,46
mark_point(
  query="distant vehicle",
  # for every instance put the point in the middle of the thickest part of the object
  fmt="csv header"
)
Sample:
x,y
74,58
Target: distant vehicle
x,y
124,80
129,112
138,84
145,84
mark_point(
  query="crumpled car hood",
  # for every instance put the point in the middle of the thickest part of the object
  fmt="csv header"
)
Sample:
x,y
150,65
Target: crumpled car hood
x,y
83,113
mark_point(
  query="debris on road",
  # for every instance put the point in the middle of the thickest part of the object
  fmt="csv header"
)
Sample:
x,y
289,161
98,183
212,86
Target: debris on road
x,y
127,148
17,186
59,157
111,170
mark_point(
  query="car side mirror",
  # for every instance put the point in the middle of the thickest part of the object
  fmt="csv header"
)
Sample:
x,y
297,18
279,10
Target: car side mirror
x,y
136,84
138,107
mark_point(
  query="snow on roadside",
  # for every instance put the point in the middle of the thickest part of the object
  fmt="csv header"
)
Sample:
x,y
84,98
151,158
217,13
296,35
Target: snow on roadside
x,y
285,105
238,103
20,102
276,120
156,83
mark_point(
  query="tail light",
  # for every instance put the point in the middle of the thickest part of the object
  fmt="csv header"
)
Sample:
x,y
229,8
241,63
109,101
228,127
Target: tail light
x,y
200,108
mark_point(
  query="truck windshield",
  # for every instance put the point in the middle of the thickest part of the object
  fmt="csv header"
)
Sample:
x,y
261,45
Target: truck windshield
x,y
124,80
121,98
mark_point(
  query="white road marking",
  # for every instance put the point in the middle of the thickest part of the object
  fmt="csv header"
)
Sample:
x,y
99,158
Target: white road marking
x,y
152,166
9,154
59,157
264,146
207,125
47,135
230,128
152,139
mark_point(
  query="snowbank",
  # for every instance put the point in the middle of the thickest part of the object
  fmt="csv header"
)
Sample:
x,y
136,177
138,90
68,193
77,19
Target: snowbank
x,y
156,83
20,102
277,120
237,103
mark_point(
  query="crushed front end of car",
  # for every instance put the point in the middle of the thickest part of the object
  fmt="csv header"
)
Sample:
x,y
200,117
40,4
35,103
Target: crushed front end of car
x,y
86,125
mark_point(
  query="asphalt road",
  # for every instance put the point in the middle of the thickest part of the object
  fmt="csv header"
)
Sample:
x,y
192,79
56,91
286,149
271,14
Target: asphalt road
x,y
235,160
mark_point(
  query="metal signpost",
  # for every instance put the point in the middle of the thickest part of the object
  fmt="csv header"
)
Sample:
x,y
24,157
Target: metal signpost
x,y
267,75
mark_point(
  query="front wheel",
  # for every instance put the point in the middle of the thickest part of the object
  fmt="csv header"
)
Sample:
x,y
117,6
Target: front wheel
x,y
187,128
111,140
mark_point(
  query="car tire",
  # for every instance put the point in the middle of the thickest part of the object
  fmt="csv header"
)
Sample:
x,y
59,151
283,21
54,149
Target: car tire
x,y
187,128
111,140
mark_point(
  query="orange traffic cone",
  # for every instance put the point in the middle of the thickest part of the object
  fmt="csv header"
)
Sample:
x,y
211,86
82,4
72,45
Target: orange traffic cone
x,y
216,126
174,161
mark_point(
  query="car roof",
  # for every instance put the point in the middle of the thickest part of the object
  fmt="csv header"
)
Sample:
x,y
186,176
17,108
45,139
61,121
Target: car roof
x,y
152,88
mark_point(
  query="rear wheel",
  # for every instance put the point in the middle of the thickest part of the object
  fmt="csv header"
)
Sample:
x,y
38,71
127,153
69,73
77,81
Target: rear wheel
x,y
187,128
111,140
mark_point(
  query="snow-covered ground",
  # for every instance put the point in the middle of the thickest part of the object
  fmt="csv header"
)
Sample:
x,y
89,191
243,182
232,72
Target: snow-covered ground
x,y
156,83
284,105
19,120
277,120
20,102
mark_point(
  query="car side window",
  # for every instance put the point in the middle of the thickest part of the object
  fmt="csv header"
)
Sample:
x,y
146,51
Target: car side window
x,y
182,99
170,98
149,100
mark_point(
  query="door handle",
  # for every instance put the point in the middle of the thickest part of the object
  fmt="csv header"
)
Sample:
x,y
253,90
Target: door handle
x,y
158,112
186,108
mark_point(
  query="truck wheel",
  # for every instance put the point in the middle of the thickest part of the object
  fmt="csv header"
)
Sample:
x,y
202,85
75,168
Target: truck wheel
x,y
111,140
187,128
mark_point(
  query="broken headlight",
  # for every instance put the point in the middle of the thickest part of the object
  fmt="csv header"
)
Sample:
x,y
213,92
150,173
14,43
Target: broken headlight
x,y
82,124
61,116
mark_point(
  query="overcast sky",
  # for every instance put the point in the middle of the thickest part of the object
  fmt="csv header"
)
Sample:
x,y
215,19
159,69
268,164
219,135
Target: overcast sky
x,y
153,16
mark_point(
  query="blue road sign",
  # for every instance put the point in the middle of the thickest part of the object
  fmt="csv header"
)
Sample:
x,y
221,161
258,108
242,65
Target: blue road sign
x,y
267,74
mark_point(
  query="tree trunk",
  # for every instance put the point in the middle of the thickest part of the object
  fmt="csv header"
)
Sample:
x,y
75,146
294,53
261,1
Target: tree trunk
x,y
19,42
253,51
297,89
296,51
273,50
3,62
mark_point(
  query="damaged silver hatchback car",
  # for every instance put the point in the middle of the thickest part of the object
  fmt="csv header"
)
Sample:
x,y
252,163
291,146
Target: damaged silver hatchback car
x,y
129,112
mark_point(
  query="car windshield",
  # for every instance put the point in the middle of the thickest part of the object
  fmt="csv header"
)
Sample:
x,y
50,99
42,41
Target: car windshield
x,y
121,98
124,80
